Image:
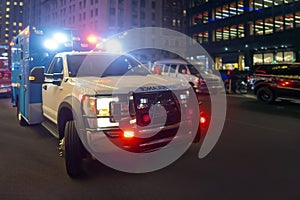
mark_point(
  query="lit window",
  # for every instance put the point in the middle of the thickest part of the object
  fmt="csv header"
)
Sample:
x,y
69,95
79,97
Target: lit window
x,y
258,5
268,57
7,3
14,23
6,22
289,56
7,9
277,2
205,36
278,23
225,33
233,9
257,58
15,3
240,8
268,3
7,16
225,11
218,13
241,31
259,27
219,34
269,25
233,32
279,56
21,3
289,21
205,17
174,22
297,19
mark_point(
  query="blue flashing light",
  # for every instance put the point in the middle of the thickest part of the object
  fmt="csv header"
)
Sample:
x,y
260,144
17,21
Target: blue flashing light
x,y
50,44
60,37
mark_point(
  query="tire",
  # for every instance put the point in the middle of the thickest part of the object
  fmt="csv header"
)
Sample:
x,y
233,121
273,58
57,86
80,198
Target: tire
x,y
74,151
265,95
20,118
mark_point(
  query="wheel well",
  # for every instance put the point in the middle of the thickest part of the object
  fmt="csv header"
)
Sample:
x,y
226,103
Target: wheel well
x,y
260,86
65,114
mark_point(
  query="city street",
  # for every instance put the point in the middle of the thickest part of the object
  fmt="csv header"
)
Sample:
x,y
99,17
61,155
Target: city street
x,y
256,157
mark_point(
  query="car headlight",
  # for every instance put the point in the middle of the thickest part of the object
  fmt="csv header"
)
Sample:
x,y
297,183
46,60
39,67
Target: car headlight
x,y
105,111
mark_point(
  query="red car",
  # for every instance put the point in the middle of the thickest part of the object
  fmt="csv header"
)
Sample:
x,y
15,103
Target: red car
x,y
5,78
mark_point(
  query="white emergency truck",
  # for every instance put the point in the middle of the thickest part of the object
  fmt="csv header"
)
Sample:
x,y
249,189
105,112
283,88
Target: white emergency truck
x,y
113,96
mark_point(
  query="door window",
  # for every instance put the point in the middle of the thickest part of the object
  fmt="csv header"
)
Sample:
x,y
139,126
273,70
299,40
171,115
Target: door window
x,y
56,66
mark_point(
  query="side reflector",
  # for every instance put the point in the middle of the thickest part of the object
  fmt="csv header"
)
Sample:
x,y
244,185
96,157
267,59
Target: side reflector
x,y
31,78
128,134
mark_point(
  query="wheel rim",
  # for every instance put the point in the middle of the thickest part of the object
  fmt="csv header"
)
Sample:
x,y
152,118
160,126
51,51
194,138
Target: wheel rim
x,y
266,94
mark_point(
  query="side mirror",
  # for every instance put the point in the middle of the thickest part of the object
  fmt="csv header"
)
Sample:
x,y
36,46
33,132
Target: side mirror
x,y
37,75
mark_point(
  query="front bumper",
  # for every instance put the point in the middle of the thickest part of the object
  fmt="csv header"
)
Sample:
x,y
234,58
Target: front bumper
x,y
144,139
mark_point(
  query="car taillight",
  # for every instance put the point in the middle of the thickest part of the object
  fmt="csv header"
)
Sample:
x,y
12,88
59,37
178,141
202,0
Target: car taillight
x,y
248,79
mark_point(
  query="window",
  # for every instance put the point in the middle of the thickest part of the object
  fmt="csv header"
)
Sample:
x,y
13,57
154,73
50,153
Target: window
x,y
278,23
88,65
268,3
225,33
240,8
233,32
258,4
257,58
289,21
269,25
241,31
218,34
259,27
233,9
297,19
56,66
182,69
289,56
277,2
268,57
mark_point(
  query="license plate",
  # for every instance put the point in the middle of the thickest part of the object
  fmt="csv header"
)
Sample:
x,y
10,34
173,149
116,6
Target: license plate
x,y
3,90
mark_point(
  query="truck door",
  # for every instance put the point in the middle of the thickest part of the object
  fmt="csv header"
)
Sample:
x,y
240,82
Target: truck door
x,y
53,92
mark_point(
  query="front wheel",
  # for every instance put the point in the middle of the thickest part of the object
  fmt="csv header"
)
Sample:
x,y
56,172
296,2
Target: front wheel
x,y
265,95
74,150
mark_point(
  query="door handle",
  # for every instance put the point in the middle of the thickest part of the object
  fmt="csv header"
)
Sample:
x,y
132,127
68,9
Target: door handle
x,y
45,87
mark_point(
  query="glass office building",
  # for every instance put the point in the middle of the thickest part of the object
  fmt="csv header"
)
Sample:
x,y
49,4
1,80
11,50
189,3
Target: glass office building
x,y
242,33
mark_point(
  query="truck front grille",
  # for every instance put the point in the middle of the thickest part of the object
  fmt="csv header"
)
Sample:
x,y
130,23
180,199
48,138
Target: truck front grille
x,y
157,108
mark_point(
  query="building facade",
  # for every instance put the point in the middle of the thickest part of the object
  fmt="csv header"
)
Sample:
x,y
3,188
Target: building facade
x,y
11,22
242,33
108,17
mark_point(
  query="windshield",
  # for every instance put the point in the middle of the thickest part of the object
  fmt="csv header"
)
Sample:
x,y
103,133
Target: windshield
x,y
104,65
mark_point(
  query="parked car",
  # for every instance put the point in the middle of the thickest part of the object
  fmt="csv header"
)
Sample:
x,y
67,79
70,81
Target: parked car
x,y
5,78
201,79
271,81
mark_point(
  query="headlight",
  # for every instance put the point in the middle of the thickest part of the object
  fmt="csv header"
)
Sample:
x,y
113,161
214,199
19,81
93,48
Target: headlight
x,y
104,111
98,106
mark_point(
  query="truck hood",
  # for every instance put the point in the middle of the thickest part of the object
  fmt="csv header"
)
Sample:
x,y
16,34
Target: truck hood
x,y
124,84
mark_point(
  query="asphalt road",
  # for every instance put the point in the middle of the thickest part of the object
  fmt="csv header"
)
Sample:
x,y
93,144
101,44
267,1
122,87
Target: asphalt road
x,y
256,157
